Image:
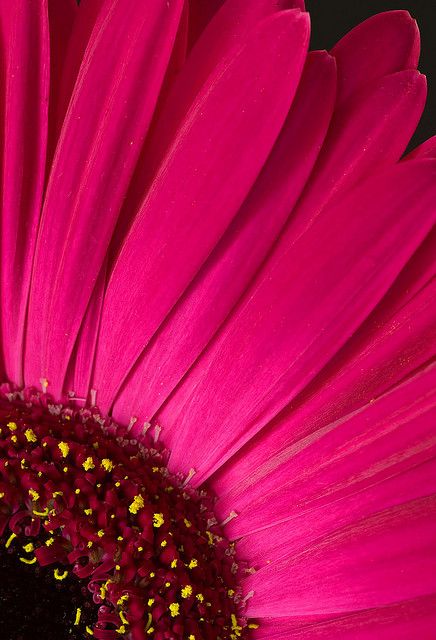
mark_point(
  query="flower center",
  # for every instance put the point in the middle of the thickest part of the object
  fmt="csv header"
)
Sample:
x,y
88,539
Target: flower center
x,y
99,539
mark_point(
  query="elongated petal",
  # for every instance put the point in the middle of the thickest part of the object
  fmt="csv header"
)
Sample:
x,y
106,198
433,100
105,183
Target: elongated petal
x,y
275,343
345,471
25,44
99,145
376,562
408,619
79,372
383,44
217,156
398,338
62,15
229,269
221,41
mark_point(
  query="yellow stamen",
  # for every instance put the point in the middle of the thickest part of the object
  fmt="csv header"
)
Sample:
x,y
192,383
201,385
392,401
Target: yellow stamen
x,y
158,520
28,548
107,464
26,561
9,540
137,504
30,435
88,464
174,609
12,426
186,591
123,618
64,449
60,576
78,615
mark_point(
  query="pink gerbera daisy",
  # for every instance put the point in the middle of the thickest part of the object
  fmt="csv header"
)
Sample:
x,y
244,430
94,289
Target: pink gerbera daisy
x,y
217,272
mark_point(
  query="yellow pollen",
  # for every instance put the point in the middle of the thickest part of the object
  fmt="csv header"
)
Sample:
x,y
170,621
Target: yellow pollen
x,y
152,574
100,533
140,548
123,599
174,609
14,438
88,464
168,584
163,543
64,448
187,523
77,491
89,544
191,637
252,625
118,484
150,601
103,592
65,469
121,629
123,618
57,493
90,631
41,514
148,626
26,561
28,548
117,567
34,494
12,426
60,576
186,591
78,615
200,597
174,563
49,542
107,464
158,520
193,563
30,435
88,511
2,495
137,504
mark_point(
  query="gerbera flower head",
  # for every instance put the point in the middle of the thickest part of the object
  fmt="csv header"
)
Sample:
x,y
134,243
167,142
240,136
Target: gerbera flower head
x,y
217,325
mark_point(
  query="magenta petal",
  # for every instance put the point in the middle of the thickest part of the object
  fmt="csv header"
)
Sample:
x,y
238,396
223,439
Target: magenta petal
x,y
79,372
217,156
97,151
377,457
383,44
376,562
229,269
398,338
62,15
223,39
25,92
402,621
273,344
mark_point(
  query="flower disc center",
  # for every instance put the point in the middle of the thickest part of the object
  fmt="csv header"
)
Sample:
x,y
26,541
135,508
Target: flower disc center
x,y
87,507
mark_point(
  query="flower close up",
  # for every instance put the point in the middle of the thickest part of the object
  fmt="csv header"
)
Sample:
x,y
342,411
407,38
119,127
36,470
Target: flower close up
x,y
217,326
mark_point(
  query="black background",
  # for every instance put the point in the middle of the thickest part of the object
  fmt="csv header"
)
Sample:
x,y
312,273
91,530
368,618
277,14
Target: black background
x,y
331,19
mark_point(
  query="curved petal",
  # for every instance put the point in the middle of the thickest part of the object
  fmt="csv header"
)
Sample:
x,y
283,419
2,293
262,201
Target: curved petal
x,y
25,94
379,561
217,156
398,338
233,263
402,621
276,342
383,44
99,145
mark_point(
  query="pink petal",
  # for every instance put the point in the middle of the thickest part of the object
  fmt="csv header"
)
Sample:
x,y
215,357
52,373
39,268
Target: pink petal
x,y
370,131
79,372
274,344
99,145
217,155
25,91
403,621
377,457
222,40
233,263
399,337
62,15
383,44
379,561
425,150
